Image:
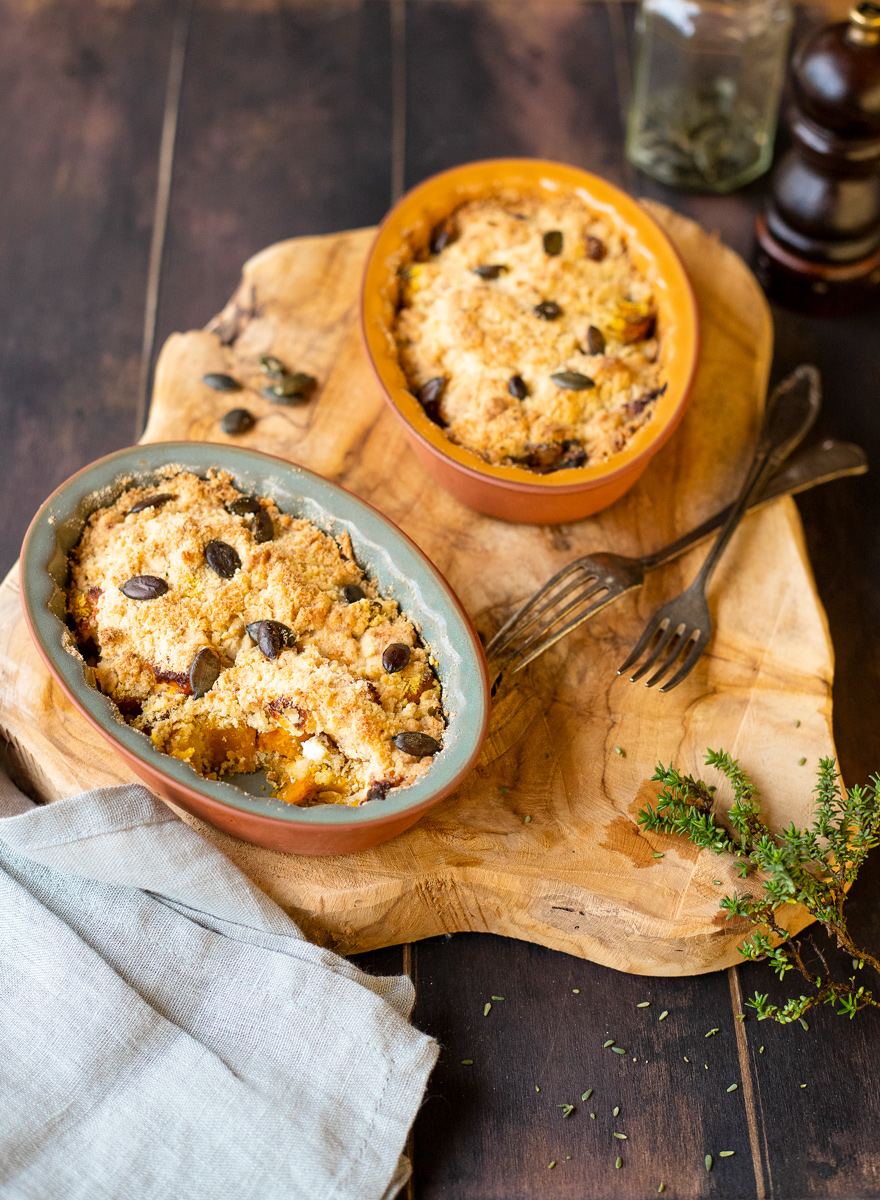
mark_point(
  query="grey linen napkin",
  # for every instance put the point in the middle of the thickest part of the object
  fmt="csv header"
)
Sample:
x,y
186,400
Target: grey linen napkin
x,y
166,1031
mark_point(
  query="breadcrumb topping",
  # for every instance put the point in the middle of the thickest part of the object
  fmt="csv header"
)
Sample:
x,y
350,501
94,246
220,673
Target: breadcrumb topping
x,y
321,714
522,287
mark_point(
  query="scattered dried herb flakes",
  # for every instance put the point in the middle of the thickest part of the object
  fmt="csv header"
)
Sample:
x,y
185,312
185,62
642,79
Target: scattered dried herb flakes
x,y
657,854
803,1023
537,1089
575,991
708,1162
526,820
618,1163
726,1153
567,1109
712,1032
621,1136
467,1062
587,1094
797,723
733,1087
617,1050
801,761
760,1049
497,997
803,1085
487,1008
503,789
644,1004
615,1111
551,1165
610,1042
620,752
592,1116
663,1015
686,1059
662,1187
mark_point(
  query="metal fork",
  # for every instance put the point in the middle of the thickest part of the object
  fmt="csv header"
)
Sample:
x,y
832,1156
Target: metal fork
x,y
681,628
587,585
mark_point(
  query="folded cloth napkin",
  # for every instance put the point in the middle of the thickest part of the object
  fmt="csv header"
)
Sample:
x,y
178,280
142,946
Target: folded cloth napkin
x,y
167,1032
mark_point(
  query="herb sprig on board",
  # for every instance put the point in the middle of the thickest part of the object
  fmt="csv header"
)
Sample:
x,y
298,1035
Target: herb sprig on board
x,y
813,867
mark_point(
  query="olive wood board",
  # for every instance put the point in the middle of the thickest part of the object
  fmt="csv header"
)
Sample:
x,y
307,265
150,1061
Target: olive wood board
x,y
572,746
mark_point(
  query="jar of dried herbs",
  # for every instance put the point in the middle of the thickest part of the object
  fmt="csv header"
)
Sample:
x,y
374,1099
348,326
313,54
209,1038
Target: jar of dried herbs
x,y
706,93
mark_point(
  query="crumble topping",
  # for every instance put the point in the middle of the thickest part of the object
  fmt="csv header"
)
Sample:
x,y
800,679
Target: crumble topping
x,y
273,651
529,334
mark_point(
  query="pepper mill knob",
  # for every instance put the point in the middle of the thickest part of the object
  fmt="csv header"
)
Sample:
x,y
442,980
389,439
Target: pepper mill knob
x,y
819,237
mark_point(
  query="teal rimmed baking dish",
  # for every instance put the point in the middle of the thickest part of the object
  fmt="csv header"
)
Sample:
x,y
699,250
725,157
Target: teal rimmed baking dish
x,y
402,572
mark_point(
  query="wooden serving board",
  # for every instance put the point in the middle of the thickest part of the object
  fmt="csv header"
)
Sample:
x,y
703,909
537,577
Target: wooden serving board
x,y
580,876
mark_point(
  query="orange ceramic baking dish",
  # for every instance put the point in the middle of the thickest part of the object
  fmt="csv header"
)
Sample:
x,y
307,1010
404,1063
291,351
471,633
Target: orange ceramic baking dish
x,y
514,493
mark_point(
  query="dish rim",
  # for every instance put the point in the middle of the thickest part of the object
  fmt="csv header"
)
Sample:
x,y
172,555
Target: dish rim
x,y
468,675
629,214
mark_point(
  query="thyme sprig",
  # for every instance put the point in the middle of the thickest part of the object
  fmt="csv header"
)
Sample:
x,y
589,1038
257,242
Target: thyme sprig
x,y
813,867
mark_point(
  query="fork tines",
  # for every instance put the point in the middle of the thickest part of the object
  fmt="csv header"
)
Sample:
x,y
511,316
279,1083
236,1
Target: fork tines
x,y
676,640
563,603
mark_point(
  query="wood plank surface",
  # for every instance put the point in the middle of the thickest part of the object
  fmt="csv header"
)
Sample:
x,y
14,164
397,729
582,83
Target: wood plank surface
x,y
471,1131
82,89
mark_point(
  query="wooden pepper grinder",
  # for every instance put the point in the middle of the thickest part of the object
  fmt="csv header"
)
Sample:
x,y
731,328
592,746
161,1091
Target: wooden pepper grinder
x,y
819,238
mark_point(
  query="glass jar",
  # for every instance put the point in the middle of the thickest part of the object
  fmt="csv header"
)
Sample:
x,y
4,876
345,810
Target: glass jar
x,y
706,94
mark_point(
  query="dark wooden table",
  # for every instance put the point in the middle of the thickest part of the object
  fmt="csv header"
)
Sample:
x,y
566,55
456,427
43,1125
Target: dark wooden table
x,y
147,149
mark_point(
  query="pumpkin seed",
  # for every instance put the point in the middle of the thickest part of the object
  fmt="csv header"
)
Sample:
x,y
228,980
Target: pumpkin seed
x,y
220,382
548,310
417,744
144,587
244,505
595,340
222,559
429,397
264,530
291,389
553,242
441,236
272,365
395,657
490,270
595,248
204,671
517,387
151,502
253,632
237,420
353,592
271,637
572,381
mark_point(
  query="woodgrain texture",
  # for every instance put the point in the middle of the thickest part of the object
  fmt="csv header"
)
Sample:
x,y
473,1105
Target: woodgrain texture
x,y
82,88
580,876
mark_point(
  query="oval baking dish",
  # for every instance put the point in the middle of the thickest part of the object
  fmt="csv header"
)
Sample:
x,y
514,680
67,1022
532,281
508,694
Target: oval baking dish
x,y
515,493
402,573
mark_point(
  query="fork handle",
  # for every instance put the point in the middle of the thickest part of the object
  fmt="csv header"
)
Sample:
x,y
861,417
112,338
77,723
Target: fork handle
x,y
791,411
820,464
